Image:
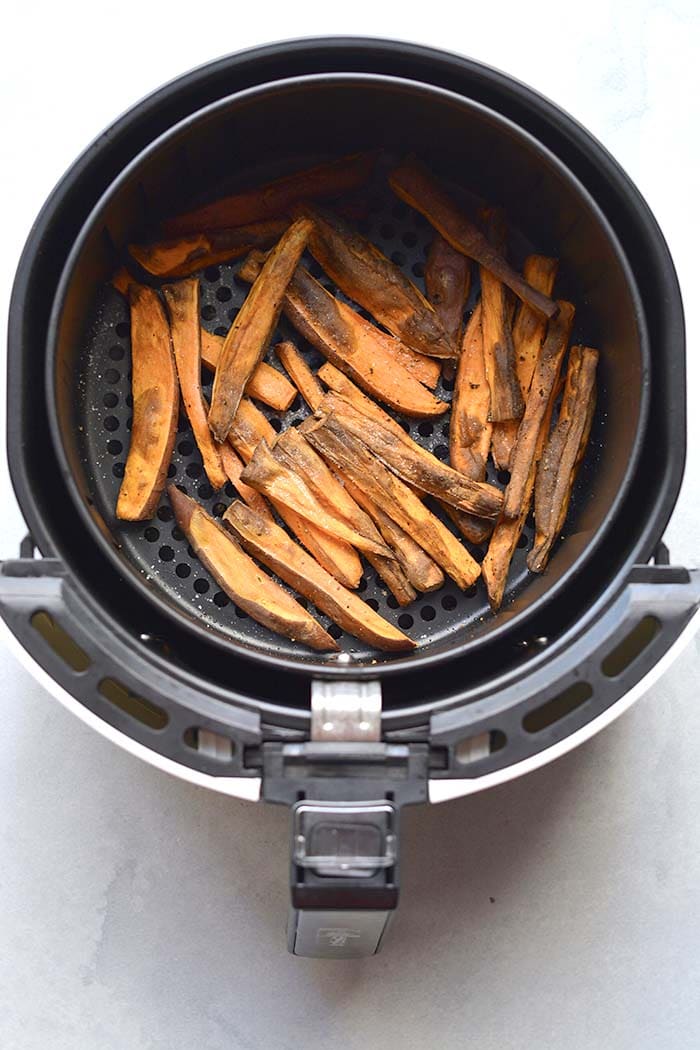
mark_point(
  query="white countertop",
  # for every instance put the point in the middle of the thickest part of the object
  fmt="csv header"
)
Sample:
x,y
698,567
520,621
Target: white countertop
x,y
140,913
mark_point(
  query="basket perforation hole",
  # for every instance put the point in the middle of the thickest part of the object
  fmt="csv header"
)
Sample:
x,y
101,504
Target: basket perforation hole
x,y
110,400
208,312
177,534
561,705
632,645
223,294
172,469
205,491
193,470
448,602
373,604
118,469
221,330
114,447
211,274
335,631
122,329
60,641
399,258
221,599
201,586
116,352
183,570
166,553
427,613
185,448
165,513
111,423
112,376
218,509
425,429
441,451
418,269
405,621
240,613
151,534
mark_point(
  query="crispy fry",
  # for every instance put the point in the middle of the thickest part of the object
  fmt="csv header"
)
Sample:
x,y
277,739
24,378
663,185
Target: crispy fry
x,y
278,552
351,343
182,256
266,384
156,399
412,182
528,332
470,427
364,273
244,581
421,571
413,463
275,198
499,354
447,281
276,481
563,454
303,378
365,471
336,556
544,380
182,302
250,333
292,449
233,466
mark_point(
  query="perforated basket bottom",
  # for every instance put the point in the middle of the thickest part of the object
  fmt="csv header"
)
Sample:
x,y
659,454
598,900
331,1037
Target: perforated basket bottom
x,y
159,550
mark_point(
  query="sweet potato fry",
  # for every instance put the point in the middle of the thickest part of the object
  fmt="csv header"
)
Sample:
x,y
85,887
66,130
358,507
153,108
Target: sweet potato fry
x,y
156,400
470,427
276,481
351,343
303,378
233,466
420,570
528,332
182,256
244,581
271,545
121,280
336,556
413,183
544,380
293,451
365,471
275,198
266,384
250,333
365,274
413,463
563,454
499,354
182,303
447,281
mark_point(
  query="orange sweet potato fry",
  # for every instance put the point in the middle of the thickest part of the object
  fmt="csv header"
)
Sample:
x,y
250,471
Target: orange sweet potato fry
x,y
303,378
182,302
156,400
336,556
352,344
233,466
121,280
364,273
543,382
266,384
277,481
365,471
274,199
499,354
271,546
182,256
250,333
447,281
528,332
244,581
413,183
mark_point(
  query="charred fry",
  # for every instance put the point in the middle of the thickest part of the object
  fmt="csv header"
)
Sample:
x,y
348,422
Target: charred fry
x,y
413,463
340,559
365,471
156,398
275,198
276,481
244,581
182,302
292,449
250,333
365,274
412,182
447,281
499,355
271,545
182,256
528,332
303,378
543,382
563,454
351,343
266,384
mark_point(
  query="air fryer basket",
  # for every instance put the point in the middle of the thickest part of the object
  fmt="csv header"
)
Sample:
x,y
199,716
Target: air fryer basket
x,y
119,617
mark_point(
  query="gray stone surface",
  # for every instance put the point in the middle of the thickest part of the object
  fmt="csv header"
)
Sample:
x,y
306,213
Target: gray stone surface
x,y
562,910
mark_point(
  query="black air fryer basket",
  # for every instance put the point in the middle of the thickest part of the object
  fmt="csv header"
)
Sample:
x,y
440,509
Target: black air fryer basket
x,y
123,623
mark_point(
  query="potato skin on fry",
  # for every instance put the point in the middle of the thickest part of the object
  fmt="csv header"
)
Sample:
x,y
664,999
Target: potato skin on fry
x,y
250,333
183,256
156,399
271,545
447,283
244,581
